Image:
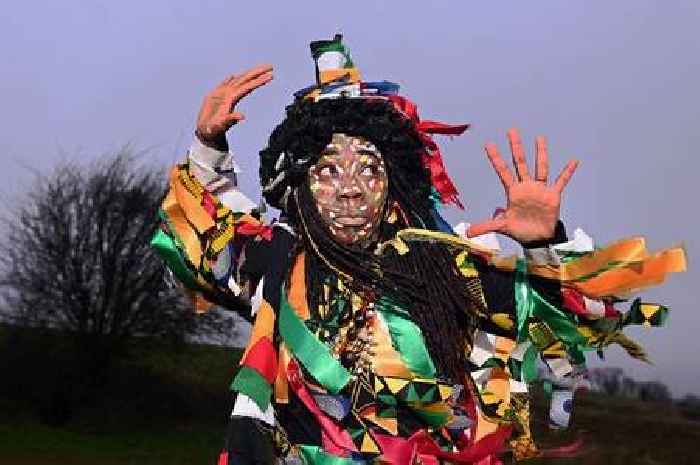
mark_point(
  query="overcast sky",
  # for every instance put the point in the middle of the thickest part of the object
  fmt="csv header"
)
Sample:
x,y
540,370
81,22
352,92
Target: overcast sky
x,y
614,84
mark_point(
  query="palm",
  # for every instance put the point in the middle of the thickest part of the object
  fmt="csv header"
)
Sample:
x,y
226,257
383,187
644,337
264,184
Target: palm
x,y
532,208
217,113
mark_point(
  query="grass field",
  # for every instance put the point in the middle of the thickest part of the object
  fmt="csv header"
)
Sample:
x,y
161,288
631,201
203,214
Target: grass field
x,y
174,409
33,444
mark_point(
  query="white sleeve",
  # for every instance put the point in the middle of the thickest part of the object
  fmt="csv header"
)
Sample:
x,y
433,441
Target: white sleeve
x,y
217,172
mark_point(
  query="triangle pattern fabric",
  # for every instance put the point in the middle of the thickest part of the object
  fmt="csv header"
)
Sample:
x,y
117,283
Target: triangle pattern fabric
x,y
396,384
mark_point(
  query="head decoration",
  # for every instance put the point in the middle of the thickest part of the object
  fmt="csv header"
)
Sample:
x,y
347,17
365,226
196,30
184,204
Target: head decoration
x,y
337,77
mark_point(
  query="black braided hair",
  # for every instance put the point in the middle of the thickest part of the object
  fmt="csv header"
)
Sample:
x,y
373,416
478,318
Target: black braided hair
x,y
426,279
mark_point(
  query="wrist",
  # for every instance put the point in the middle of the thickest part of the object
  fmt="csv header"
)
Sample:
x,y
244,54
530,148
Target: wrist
x,y
214,141
558,236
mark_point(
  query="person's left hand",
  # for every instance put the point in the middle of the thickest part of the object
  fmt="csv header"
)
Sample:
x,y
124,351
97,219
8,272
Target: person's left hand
x,y
532,210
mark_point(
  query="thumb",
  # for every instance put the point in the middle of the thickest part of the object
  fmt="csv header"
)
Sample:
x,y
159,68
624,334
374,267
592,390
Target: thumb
x,y
233,118
494,225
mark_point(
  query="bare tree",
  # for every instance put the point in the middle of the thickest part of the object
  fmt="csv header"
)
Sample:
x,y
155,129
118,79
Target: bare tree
x,y
76,257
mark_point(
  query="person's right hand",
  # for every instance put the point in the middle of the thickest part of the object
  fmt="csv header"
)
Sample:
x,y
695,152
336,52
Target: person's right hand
x,y
217,114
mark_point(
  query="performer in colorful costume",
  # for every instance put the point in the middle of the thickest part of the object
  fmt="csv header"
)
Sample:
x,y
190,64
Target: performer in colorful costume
x,y
380,335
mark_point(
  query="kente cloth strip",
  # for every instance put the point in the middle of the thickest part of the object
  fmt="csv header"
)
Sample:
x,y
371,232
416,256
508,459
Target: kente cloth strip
x,y
398,408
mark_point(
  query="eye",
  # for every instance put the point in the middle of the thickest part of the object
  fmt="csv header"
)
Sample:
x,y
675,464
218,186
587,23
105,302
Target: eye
x,y
328,170
369,170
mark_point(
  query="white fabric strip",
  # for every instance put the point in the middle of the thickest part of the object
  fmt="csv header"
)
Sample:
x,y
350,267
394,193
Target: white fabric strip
x,y
481,377
596,308
246,407
256,300
560,367
517,386
581,242
484,348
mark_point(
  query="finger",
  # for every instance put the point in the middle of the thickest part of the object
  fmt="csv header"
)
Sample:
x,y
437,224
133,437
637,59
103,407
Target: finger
x,y
494,225
234,118
248,87
541,161
565,175
516,148
499,165
252,73
228,80
225,82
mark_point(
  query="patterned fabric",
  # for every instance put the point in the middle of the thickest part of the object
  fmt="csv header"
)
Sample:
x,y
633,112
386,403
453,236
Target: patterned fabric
x,y
353,382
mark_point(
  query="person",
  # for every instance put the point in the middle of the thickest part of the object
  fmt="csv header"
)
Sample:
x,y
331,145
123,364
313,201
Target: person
x,y
380,334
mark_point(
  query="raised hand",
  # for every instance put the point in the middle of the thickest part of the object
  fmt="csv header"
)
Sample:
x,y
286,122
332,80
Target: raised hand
x,y
532,207
218,114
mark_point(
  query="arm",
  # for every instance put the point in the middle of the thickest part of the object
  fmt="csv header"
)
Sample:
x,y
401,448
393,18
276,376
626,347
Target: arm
x,y
557,303
216,245
207,225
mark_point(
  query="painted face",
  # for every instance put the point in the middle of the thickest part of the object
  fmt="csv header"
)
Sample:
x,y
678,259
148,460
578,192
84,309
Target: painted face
x,y
349,184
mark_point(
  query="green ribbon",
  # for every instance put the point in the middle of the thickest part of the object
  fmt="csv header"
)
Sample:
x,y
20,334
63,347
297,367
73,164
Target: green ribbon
x,y
311,352
523,299
167,249
313,455
547,386
252,384
407,338
529,366
524,370
529,303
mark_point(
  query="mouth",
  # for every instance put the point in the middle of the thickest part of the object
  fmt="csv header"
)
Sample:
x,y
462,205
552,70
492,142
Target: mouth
x,y
345,221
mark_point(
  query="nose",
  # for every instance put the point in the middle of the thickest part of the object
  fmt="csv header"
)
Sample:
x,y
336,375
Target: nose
x,y
350,190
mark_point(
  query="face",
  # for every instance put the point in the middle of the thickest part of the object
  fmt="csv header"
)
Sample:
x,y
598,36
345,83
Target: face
x,y
349,185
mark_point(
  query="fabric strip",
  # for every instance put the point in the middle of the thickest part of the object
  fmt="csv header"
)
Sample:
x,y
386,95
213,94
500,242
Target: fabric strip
x,y
312,353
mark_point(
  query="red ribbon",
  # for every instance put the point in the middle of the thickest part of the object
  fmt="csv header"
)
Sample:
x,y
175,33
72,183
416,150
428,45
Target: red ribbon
x,y
432,157
209,204
336,440
262,358
402,451
573,301
574,449
255,229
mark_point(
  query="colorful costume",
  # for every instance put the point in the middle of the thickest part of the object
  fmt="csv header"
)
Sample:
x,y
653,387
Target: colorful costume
x,y
350,378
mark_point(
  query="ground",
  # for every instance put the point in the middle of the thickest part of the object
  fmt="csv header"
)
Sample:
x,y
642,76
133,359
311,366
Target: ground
x,y
187,424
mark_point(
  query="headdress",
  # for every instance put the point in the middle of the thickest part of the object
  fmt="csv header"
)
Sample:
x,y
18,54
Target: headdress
x,y
337,77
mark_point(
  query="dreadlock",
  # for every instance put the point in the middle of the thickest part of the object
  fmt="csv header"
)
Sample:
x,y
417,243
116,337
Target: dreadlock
x,y
426,279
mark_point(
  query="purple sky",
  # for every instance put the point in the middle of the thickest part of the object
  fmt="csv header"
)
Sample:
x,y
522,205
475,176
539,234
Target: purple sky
x,y
611,83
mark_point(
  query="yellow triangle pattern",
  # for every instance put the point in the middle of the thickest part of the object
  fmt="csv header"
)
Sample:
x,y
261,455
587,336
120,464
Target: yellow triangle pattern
x,y
368,445
648,310
378,386
395,384
445,391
